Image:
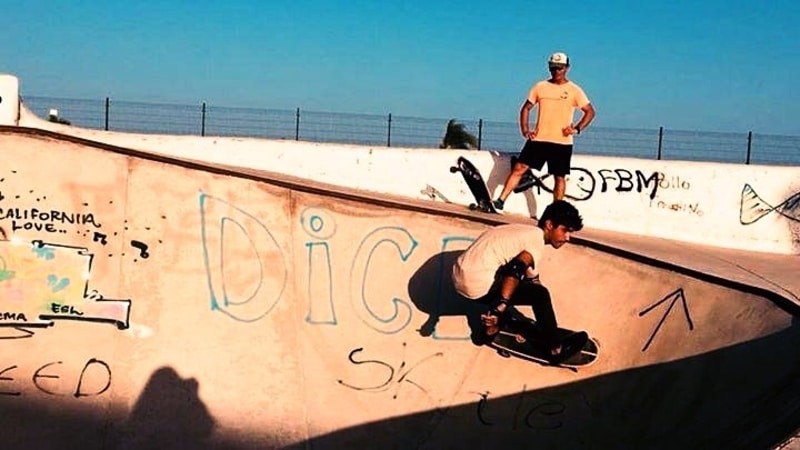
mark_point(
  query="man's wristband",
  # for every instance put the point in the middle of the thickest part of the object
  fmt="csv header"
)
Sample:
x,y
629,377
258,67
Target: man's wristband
x,y
533,279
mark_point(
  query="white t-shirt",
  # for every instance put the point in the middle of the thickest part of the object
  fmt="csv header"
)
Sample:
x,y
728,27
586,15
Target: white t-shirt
x,y
474,270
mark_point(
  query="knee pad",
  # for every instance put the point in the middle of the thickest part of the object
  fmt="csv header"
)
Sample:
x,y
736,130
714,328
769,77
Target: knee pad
x,y
515,268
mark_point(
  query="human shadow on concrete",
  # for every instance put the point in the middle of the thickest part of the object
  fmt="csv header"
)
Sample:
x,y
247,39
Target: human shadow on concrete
x,y
167,415
431,290
746,396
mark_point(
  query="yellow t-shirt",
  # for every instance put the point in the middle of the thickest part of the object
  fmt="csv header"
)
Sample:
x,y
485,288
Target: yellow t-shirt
x,y
474,270
556,104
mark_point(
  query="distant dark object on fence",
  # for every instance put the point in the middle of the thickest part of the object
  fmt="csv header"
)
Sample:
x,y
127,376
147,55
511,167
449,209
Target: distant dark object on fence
x,y
53,117
456,136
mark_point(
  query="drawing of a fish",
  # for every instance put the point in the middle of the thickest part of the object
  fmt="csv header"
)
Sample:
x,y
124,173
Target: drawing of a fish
x,y
753,207
579,189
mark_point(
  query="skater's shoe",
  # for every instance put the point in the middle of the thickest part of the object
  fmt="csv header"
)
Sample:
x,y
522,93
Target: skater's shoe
x,y
570,345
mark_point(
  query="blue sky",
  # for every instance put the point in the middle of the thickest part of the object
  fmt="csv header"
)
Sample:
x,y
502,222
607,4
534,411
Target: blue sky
x,y
694,65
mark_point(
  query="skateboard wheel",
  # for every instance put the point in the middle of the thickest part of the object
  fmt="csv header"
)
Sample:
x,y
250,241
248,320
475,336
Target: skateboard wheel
x,y
473,206
453,169
504,353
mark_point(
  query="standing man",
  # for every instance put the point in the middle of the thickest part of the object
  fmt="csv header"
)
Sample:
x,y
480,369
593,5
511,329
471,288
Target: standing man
x,y
550,141
501,269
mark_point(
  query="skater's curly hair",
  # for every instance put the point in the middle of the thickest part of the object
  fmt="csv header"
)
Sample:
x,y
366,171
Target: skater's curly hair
x,y
561,212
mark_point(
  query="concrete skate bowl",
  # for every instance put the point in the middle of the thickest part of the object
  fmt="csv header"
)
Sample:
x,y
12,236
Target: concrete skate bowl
x,y
715,400
223,308
704,366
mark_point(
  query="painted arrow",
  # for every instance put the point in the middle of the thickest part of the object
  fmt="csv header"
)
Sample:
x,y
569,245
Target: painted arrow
x,y
674,296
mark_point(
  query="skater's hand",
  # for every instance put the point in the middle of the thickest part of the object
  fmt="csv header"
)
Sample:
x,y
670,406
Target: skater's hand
x,y
531,276
529,134
490,322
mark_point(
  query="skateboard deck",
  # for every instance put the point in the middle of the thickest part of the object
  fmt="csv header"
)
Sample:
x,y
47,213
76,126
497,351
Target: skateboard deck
x,y
476,184
506,344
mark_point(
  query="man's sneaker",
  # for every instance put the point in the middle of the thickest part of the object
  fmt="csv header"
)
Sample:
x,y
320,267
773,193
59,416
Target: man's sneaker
x,y
498,204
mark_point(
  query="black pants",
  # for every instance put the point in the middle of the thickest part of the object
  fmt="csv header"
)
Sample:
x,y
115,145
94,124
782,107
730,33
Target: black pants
x,y
538,298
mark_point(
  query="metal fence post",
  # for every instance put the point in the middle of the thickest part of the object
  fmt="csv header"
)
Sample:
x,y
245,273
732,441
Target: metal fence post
x,y
297,125
203,121
389,133
108,105
749,145
660,140
480,132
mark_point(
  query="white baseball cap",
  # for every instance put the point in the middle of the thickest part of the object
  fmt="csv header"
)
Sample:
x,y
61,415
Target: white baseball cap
x,y
559,58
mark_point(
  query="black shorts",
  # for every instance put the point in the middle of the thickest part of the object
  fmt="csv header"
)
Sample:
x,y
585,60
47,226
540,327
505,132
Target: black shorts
x,y
557,156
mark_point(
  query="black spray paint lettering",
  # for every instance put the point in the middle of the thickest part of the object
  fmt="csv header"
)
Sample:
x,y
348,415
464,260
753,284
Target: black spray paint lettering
x,y
693,208
378,387
672,182
7,316
79,392
52,215
142,248
100,237
67,310
624,181
401,371
542,415
50,221
583,183
45,372
481,405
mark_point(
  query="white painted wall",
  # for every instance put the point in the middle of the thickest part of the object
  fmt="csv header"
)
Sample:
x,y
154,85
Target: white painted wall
x,y
738,206
9,99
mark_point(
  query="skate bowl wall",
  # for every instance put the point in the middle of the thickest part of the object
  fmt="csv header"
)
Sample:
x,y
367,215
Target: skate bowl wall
x,y
152,303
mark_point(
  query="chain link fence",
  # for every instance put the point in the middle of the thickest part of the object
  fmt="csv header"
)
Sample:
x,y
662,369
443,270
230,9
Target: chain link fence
x,y
400,131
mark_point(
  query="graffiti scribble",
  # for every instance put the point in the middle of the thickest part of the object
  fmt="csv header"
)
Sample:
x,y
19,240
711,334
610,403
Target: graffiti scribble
x,y
142,247
402,371
100,237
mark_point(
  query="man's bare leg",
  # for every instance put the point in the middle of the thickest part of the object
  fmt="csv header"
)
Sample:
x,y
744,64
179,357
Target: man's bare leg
x,y
513,179
559,188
